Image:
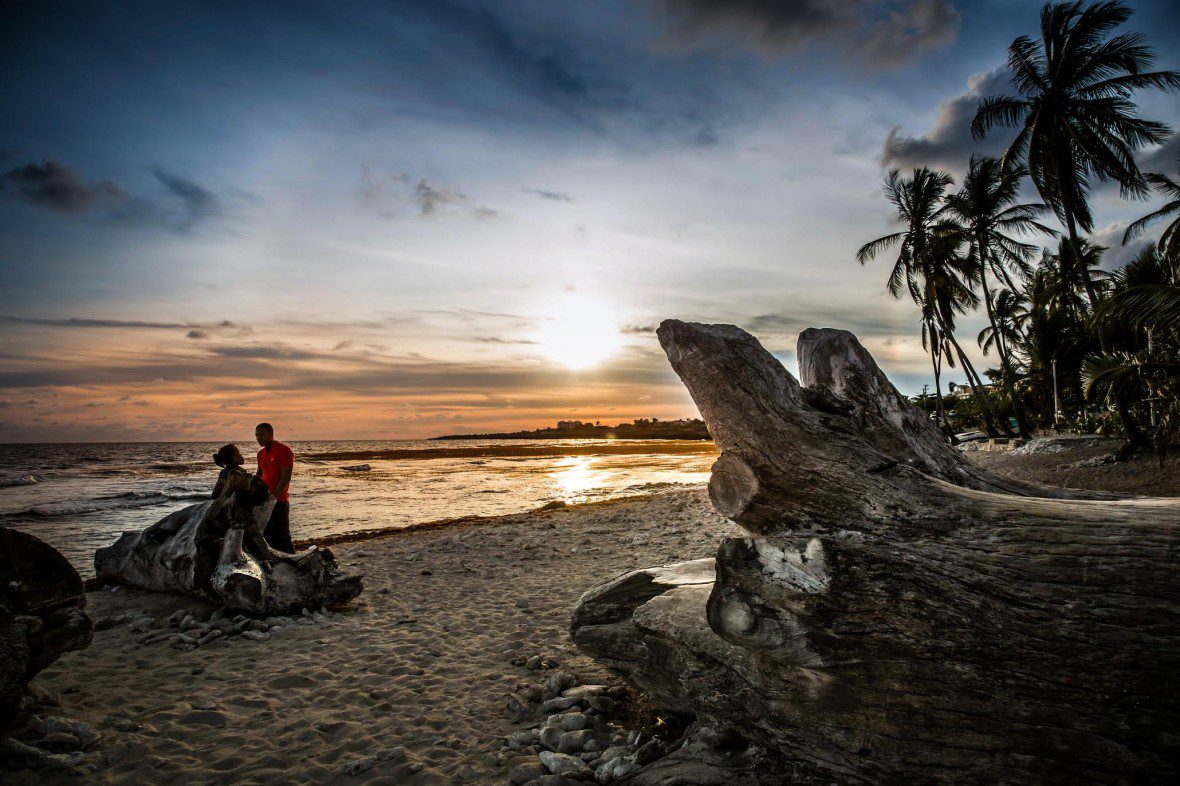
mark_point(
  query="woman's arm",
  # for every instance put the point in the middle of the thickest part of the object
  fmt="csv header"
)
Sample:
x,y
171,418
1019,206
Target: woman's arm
x,y
218,487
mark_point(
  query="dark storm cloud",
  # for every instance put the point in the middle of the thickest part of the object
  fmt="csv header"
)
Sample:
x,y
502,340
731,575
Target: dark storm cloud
x,y
880,33
544,67
949,144
199,203
553,196
54,186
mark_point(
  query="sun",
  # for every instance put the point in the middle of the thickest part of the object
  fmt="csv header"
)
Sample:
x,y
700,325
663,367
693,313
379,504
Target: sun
x,y
580,332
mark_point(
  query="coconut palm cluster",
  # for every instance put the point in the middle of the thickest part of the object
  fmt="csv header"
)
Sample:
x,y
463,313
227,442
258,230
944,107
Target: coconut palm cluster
x,y
1076,346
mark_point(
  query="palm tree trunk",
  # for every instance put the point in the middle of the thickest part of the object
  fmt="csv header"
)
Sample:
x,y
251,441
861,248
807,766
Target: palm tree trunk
x,y
1009,381
989,417
940,416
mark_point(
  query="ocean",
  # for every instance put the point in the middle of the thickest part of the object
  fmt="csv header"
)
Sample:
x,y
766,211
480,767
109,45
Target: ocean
x,y
79,497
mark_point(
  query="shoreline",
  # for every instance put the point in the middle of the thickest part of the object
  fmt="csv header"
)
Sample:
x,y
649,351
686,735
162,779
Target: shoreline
x,y
409,683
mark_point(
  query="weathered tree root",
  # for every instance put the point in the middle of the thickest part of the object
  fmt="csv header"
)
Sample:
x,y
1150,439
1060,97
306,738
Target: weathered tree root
x,y
899,614
215,550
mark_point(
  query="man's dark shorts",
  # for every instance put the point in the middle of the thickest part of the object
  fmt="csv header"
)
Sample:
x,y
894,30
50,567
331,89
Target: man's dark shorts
x,y
278,529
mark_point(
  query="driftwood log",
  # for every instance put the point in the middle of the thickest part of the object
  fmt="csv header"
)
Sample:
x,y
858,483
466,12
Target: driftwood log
x,y
215,550
41,614
899,615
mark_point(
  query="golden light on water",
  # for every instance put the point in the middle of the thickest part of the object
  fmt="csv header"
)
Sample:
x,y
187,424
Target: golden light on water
x,y
575,476
580,332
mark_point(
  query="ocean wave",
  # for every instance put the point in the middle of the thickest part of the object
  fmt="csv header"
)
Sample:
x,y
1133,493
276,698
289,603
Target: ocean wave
x,y
20,480
109,503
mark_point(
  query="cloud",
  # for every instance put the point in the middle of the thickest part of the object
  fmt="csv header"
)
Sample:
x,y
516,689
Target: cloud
x,y
199,203
553,196
429,198
343,345
498,340
195,330
54,186
1162,159
879,33
949,144
546,69
1117,255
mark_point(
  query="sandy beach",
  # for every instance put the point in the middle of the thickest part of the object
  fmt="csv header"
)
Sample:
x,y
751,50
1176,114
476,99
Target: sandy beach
x,y
409,684
419,669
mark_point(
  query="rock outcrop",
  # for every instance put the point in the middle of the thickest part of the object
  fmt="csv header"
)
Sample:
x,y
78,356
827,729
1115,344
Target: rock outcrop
x,y
898,614
41,614
215,550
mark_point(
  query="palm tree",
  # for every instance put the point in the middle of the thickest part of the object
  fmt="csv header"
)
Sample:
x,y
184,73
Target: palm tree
x,y
927,265
1169,242
987,209
1004,333
1074,111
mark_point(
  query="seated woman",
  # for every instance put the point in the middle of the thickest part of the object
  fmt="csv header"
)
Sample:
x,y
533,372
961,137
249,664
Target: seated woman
x,y
249,491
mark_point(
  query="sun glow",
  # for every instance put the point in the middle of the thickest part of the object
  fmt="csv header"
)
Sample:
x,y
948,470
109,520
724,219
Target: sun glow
x,y
581,332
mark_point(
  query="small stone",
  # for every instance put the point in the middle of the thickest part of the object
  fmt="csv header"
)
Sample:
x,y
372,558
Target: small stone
x,y
551,737
210,636
395,755
574,741
62,740
614,769
603,704
558,681
415,767
175,617
561,763
519,739
533,663
254,635
140,624
585,691
558,704
569,721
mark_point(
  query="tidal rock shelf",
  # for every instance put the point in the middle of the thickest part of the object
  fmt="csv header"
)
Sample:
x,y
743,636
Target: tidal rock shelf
x,y
898,613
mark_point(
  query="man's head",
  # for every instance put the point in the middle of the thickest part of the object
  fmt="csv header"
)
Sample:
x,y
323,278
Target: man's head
x,y
265,434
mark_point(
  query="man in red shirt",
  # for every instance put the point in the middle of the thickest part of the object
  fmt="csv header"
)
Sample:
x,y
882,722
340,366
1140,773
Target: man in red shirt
x,y
275,463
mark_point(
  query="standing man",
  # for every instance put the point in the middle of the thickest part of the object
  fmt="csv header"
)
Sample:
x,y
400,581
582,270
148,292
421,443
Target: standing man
x,y
275,463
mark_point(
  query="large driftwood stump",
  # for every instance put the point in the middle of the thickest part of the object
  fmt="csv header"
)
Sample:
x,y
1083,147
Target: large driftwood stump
x,y
899,615
215,550
41,614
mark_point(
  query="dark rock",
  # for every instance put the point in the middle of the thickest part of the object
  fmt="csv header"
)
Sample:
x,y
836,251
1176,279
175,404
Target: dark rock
x,y
41,614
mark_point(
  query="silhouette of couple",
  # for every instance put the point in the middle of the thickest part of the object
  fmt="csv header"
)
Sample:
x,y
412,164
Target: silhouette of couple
x,y
272,482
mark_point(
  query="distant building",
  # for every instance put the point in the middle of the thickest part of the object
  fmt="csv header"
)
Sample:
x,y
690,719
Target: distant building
x,y
566,425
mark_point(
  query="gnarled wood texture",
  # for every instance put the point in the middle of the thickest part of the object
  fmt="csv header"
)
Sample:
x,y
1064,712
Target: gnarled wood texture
x,y
41,613
215,550
900,614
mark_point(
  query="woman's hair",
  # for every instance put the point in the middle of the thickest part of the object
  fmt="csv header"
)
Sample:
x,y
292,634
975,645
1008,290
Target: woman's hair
x,y
224,456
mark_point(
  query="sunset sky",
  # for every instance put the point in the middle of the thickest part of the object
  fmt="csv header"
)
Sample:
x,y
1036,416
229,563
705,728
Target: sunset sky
x,y
403,219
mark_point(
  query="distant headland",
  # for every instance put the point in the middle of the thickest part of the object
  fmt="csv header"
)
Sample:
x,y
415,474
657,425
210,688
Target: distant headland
x,y
642,428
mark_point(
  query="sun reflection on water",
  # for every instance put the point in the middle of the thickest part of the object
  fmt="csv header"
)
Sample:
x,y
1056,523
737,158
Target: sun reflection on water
x,y
576,476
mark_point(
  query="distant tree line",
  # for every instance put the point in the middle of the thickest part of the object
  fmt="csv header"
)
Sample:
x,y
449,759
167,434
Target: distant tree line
x,y
642,428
